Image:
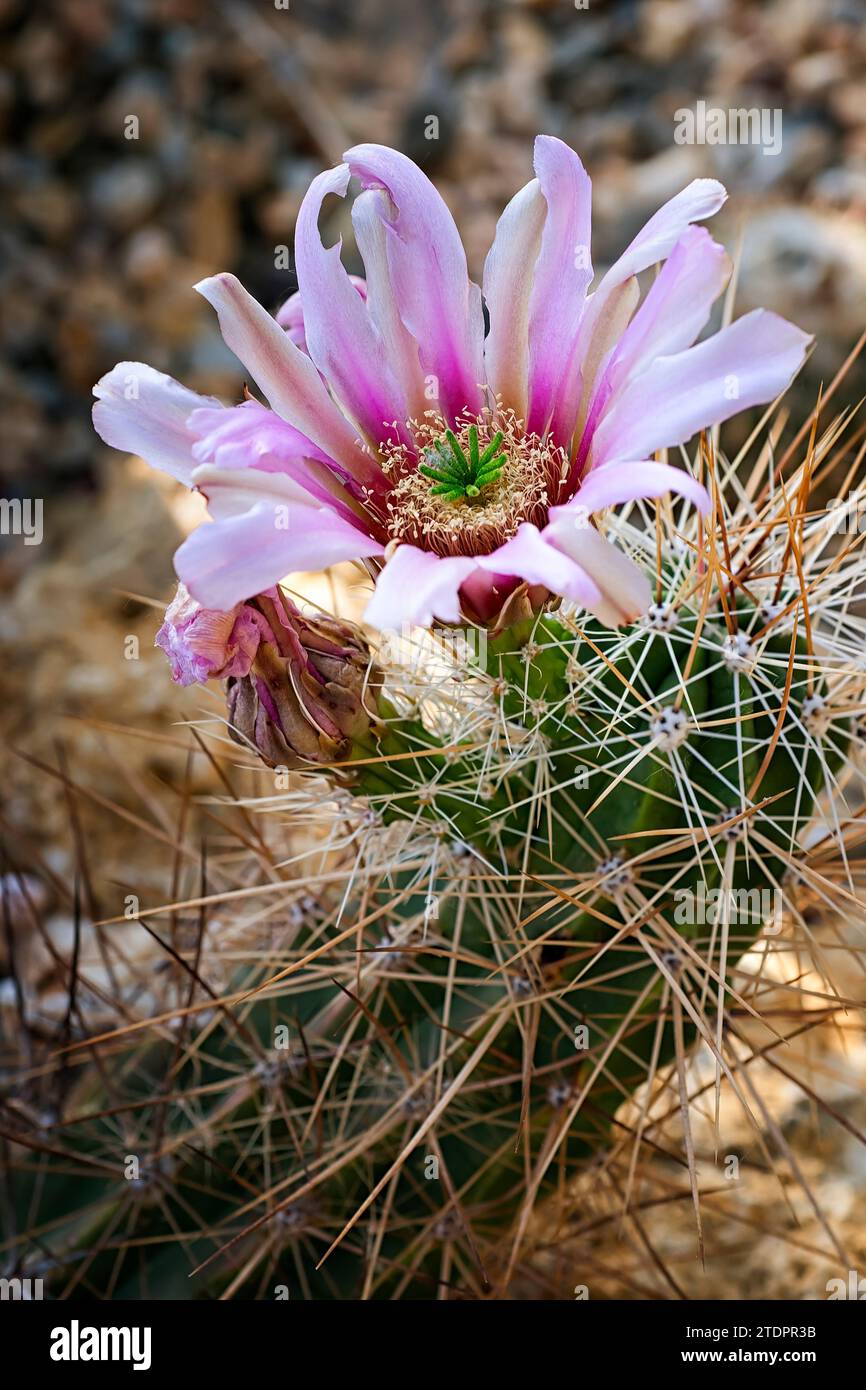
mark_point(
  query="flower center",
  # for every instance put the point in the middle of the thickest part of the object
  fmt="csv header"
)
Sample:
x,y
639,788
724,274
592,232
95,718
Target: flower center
x,y
466,491
456,476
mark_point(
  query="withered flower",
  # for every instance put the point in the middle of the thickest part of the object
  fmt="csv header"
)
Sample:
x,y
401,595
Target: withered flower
x,y
311,692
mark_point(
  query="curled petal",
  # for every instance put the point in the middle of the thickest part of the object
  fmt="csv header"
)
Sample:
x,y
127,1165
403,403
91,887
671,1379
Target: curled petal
x,y
429,278
251,436
291,318
678,304
655,242
528,556
677,307
266,527
507,284
145,412
625,589
370,215
291,315
561,278
617,483
658,237
415,587
340,335
584,383
749,363
230,491
248,436
286,375
203,643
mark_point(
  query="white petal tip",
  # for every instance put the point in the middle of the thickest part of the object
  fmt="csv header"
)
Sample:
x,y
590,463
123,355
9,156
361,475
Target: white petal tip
x,y
212,286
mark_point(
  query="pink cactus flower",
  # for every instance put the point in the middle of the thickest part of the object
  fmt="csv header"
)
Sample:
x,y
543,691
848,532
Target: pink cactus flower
x,y
202,644
458,467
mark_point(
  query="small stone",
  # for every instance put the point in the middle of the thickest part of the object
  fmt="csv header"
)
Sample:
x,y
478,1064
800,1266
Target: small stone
x,y
672,961
447,1226
149,256
124,195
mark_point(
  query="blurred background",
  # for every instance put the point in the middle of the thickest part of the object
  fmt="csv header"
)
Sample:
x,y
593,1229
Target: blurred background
x,y
148,143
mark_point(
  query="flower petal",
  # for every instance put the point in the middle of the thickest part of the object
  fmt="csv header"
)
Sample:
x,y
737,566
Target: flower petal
x,y
429,279
746,364
675,310
572,415
484,595
263,531
626,482
291,318
340,335
248,436
561,278
528,556
625,589
658,237
415,587
286,375
291,315
251,436
233,490
370,217
145,412
507,285
678,304
203,643
655,242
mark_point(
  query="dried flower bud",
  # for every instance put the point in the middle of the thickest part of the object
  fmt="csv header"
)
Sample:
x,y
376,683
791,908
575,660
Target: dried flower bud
x,y
202,643
311,692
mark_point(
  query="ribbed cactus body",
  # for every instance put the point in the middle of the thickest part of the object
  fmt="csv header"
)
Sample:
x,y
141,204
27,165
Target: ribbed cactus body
x,y
619,820
601,780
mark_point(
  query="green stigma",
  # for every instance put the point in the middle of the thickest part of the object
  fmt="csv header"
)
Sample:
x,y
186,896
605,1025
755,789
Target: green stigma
x,y
454,475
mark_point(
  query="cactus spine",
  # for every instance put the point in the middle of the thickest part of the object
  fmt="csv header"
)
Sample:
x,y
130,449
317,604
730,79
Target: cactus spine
x,y
527,897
